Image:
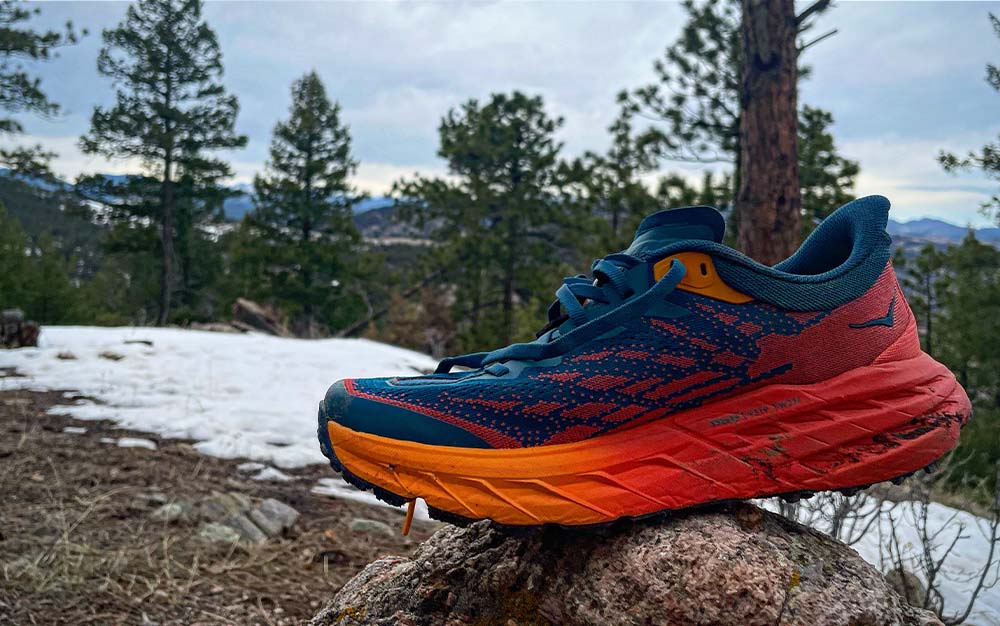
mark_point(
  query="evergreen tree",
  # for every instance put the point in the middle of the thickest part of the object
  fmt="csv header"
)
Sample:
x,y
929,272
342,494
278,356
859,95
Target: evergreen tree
x,y
988,159
53,299
969,334
170,109
20,92
306,244
35,276
16,277
921,277
955,296
675,191
968,342
826,178
612,187
497,219
696,94
696,102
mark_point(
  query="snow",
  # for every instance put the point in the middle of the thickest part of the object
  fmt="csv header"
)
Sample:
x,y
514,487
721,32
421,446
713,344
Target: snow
x,y
239,396
272,474
74,430
337,488
136,442
960,569
255,396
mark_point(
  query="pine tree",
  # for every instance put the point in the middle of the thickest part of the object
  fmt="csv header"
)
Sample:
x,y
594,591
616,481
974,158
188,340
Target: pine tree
x,y
826,178
768,197
53,299
697,99
988,159
921,278
612,186
307,243
968,342
170,109
696,95
497,219
17,276
20,92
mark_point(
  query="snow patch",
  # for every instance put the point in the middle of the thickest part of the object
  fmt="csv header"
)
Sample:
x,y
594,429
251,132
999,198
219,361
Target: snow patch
x,y
270,473
248,396
337,488
136,442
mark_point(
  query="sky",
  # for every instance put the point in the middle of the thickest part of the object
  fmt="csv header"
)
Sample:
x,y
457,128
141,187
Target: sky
x,y
902,79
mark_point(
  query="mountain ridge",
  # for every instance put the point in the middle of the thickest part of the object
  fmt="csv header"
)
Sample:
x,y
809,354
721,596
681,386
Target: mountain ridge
x,y
236,207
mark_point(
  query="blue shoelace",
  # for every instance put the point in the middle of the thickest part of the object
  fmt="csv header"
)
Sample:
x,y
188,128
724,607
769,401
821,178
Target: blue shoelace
x,y
609,286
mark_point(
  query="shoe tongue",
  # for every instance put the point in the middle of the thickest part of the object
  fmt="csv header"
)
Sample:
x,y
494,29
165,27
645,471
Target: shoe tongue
x,y
673,225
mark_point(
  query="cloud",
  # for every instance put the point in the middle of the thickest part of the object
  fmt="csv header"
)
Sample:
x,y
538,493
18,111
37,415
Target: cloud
x,y
902,79
907,172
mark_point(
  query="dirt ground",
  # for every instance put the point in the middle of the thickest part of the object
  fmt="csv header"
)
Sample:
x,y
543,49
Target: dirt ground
x,y
78,545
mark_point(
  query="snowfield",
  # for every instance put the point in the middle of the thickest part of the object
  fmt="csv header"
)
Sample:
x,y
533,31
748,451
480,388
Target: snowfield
x,y
255,396
252,396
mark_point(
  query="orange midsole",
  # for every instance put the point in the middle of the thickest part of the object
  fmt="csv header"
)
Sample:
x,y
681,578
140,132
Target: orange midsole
x,y
776,439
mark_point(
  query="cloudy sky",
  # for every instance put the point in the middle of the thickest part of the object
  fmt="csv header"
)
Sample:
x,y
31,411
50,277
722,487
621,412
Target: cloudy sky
x,y
903,80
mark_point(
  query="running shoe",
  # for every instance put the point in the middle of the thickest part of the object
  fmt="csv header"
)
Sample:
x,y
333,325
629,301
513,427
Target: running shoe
x,y
678,373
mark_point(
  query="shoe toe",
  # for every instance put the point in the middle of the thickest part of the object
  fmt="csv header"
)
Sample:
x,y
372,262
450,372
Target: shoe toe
x,y
371,414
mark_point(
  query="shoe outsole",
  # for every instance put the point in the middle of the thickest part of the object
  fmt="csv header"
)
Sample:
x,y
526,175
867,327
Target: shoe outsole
x,y
448,517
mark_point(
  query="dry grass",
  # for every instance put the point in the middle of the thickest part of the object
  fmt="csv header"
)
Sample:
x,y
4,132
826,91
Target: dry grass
x,y
77,544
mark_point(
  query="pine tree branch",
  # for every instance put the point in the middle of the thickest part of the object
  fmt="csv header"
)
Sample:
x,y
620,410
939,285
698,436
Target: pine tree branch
x,y
817,7
812,43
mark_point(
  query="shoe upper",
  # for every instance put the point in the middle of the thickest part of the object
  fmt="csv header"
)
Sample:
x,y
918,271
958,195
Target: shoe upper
x,y
673,322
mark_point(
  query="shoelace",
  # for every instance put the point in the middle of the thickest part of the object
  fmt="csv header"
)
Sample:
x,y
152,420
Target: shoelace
x,y
609,285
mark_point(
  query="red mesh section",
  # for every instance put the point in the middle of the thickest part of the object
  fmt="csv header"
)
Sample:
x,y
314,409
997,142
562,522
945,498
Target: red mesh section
x,y
675,386
832,345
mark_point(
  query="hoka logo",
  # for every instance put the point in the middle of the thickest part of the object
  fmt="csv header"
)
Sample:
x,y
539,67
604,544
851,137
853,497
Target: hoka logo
x,y
880,321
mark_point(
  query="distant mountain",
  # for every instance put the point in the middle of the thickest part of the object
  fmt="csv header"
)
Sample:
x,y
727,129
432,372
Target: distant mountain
x,y
939,231
238,206
378,215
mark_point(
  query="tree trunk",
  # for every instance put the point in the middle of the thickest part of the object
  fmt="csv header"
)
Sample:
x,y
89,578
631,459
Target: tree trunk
x,y
508,284
769,199
168,199
167,239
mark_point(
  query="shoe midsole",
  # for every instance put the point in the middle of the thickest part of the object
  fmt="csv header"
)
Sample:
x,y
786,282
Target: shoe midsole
x,y
863,426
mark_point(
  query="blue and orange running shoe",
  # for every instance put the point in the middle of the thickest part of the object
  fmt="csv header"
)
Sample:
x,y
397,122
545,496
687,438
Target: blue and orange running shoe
x,y
681,373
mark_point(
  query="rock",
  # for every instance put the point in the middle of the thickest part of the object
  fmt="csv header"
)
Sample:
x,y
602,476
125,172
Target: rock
x,y
219,506
172,512
739,566
907,584
217,533
253,522
370,526
151,498
247,313
15,331
111,356
246,529
273,517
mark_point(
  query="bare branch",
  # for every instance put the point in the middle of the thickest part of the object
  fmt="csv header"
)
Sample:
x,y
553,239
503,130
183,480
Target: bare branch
x,y
812,43
816,7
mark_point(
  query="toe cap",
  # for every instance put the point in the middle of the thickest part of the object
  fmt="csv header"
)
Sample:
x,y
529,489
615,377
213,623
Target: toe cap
x,y
376,416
